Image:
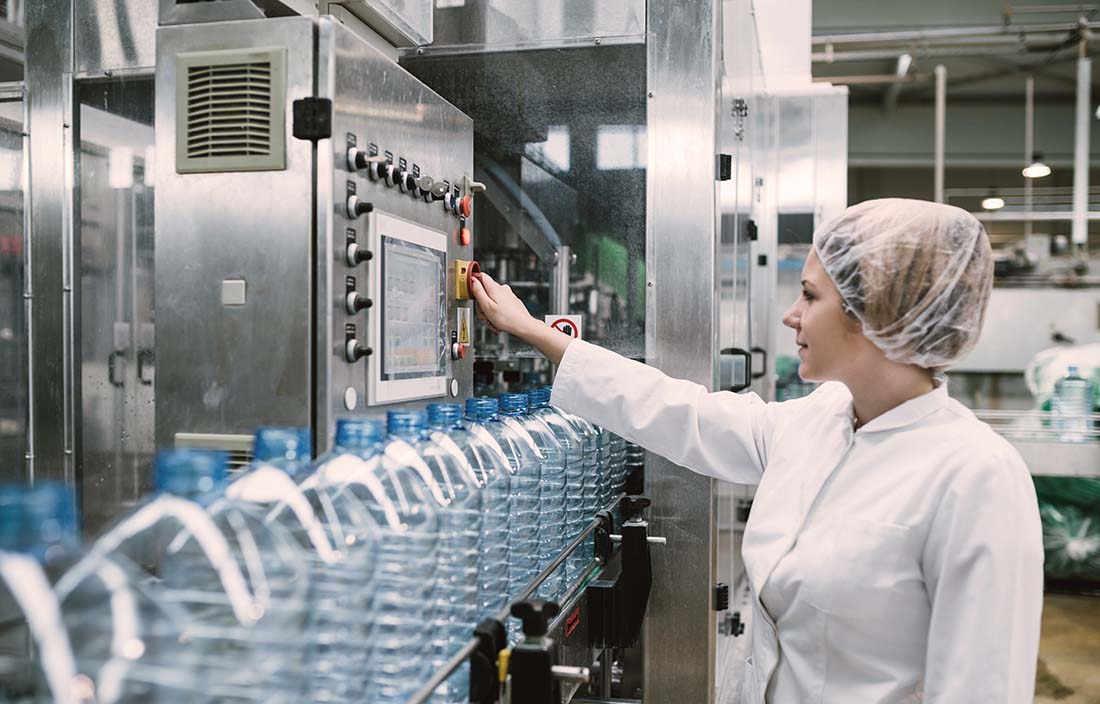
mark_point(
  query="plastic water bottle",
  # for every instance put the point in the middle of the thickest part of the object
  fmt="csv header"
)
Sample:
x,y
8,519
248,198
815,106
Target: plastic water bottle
x,y
343,590
607,469
125,647
488,460
572,443
618,464
1071,406
552,482
405,599
590,443
526,460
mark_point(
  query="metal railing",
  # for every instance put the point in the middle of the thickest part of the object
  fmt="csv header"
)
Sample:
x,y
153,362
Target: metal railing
x,y
1048,446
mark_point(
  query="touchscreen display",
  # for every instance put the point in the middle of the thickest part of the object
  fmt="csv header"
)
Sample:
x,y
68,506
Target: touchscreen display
x,y
413,310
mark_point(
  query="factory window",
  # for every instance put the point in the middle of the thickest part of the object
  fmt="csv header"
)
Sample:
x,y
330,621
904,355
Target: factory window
x,y
620,147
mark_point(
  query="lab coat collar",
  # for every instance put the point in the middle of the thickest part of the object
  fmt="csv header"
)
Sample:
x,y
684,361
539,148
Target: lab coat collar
x,y
907,413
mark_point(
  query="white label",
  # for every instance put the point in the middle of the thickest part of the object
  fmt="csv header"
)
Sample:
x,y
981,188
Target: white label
x,y
567,324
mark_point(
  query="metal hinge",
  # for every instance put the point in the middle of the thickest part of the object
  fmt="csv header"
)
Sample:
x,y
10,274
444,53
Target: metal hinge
x,y
312,118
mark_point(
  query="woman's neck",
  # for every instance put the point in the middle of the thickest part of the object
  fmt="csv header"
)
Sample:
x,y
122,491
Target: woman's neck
x,y
886,386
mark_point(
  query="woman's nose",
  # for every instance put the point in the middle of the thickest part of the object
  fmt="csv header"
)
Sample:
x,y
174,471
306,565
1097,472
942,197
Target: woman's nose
x,y
791,318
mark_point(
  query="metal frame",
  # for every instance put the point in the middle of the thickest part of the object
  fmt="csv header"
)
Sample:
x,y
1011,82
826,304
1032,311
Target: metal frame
x,y
682,308
53,290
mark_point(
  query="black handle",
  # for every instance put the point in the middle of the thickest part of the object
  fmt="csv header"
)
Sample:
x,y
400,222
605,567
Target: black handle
x,y
747,356
112,367
144,359
763,366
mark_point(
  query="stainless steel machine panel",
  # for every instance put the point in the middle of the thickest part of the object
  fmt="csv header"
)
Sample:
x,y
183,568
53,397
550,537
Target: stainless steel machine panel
x,y
256,292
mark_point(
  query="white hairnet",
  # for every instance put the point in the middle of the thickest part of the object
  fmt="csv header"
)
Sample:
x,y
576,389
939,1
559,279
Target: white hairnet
x,y
917,276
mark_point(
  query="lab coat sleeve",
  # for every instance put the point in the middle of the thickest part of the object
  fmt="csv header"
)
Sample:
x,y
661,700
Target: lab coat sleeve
x,y
983,567
721,434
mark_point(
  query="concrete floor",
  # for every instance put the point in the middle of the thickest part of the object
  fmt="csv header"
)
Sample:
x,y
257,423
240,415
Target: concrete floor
x,y
1069,651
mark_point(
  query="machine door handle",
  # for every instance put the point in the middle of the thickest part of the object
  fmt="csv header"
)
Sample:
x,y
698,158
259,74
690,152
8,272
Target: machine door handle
x,y
145,360
763,364
747,356
114,372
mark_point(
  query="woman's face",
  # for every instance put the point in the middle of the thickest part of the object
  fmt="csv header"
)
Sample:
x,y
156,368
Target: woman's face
x,y
830,344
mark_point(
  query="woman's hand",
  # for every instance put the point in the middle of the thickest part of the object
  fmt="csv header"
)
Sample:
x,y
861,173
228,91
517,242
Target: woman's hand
x,y
499,307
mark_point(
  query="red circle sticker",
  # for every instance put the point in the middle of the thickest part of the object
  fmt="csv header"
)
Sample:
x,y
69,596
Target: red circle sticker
x,y
566,326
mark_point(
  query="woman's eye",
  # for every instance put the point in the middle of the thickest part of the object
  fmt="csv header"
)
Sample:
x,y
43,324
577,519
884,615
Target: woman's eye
x,y
807,295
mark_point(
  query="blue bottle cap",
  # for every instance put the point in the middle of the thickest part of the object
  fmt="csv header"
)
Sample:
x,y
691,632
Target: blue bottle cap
x,y
482,408
33,519
190,473
278,445
513,404
405,422
444,415
539,398
358,434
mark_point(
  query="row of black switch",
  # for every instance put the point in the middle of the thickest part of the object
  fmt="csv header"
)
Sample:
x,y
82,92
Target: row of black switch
x,y
380,167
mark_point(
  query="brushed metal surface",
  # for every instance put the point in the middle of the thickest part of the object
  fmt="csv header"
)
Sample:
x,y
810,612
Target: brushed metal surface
x,y
682,335
490,25
13,318
114,35
229,369
52,289
279,358
380,103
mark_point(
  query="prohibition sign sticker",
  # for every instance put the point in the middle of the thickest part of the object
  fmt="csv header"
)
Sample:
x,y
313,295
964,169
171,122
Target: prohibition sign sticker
x,y
568,324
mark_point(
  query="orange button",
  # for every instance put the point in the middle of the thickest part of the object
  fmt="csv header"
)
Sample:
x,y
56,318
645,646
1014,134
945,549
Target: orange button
x,y
464,236
466,206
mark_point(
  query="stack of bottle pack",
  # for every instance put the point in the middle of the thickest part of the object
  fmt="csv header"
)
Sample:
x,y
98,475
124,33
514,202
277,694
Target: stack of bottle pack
x,y
351,576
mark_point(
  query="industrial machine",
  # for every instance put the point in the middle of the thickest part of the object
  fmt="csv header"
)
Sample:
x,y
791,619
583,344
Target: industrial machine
x,y
315,209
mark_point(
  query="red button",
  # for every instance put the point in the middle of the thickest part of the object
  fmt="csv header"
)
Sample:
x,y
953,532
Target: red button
x,y
458,350
466,206
464,236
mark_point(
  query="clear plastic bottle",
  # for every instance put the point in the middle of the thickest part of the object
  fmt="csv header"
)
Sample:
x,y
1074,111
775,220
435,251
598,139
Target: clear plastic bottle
x,y
343,590
607,469
1071,406
129,645
572,443
618,464
552,483
523,504
404,612
590,489
488,460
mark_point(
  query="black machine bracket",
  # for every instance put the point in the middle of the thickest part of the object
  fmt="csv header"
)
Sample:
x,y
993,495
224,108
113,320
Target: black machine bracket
x,y
484,678
617,607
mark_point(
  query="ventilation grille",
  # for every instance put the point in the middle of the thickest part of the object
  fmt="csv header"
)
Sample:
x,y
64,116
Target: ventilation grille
x,y
230,111
238,448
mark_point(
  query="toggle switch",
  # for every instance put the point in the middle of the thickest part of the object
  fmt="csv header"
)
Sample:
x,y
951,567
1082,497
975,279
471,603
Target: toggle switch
x,y
356,302
394,175
355,350
357,208
464,272
356,255
358,160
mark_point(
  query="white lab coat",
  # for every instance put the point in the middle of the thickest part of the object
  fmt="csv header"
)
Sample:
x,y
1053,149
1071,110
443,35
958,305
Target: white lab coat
x,y
898,563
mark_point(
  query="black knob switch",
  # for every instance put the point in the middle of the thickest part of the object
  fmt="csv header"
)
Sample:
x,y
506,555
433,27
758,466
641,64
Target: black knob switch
x,y
358,208
632,506
355,350
357,255
439,190
536,615
357,159
394,175
356,302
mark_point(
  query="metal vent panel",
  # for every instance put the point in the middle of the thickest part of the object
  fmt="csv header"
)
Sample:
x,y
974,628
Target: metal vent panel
x,y
230,111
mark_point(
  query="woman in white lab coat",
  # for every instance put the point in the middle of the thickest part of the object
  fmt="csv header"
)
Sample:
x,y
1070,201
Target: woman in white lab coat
x,y
894,548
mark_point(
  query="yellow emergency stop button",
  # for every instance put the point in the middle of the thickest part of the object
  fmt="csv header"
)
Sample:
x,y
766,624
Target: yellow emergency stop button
x,y
464,272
